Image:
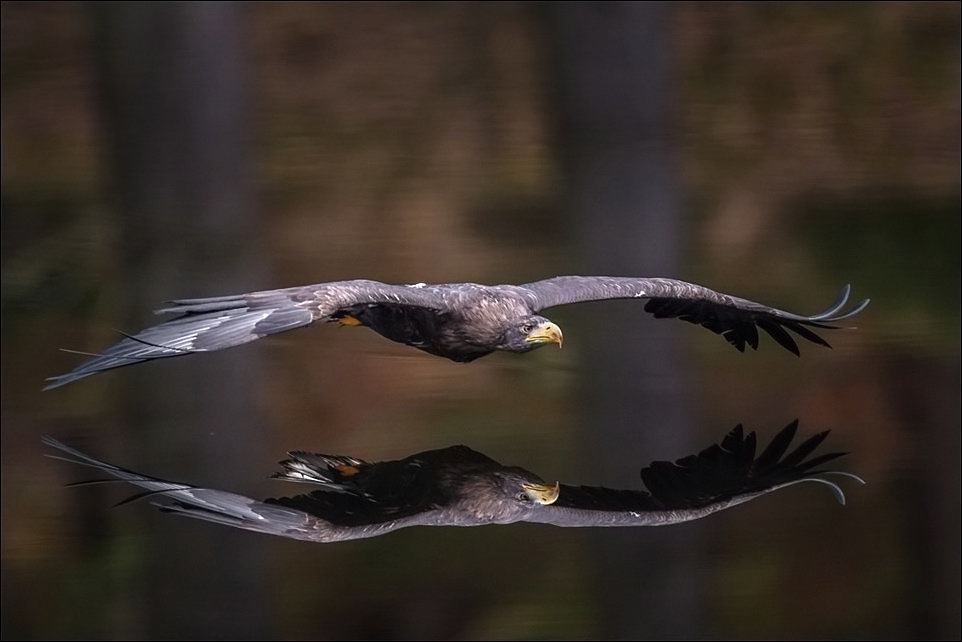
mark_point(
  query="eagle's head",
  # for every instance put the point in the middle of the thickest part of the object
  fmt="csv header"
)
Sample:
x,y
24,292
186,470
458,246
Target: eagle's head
x,y
529,333
506,495
521,487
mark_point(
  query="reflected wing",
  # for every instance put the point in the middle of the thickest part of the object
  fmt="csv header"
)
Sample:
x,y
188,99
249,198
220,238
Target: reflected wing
x,y
296,518
205,325
202,503
719,477
735,319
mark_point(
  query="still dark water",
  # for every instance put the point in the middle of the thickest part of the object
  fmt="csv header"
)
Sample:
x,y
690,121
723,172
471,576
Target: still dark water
x,y
295,144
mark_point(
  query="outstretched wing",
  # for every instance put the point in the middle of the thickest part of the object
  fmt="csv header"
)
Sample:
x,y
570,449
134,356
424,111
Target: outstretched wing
x,y
202,503
205,325
735,319
717,478
300,517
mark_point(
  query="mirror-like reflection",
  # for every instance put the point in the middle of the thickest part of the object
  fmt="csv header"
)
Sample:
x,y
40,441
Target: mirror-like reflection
x,y
457,486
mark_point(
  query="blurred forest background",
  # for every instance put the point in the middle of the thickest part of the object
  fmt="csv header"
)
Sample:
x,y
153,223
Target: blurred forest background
x,y
775,151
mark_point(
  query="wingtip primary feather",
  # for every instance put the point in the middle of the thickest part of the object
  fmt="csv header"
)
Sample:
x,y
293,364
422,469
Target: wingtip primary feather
x,y
62,380
47,440
837,305
856,310
51,442
842,473
836,489
55,382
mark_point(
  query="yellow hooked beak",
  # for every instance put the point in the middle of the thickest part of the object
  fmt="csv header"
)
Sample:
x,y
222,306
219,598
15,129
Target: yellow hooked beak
x,y
541,493
547,332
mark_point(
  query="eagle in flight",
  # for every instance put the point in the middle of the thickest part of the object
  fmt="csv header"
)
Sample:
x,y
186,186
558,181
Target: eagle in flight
x,y
459,321
458,486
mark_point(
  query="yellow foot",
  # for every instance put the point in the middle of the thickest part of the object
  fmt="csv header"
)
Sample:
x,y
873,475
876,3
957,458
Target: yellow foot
x,y
349,321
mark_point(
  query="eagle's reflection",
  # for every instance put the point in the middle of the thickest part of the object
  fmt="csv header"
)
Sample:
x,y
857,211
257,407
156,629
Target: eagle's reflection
x,y
457,486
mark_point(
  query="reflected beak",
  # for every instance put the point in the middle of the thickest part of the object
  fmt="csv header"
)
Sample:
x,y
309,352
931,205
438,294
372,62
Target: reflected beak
x,y
543,494
547,332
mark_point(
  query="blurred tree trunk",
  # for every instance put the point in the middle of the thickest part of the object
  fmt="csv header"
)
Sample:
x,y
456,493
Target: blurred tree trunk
x,y
614,73
174,110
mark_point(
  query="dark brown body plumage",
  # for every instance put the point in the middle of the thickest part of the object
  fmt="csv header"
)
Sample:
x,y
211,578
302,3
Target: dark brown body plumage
x,y
440,334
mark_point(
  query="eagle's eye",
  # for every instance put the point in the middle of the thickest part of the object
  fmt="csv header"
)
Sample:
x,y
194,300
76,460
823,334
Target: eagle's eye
x,y
523,496
527,327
